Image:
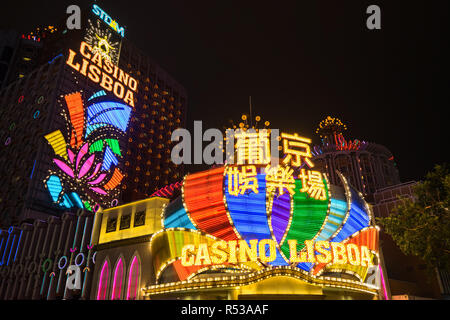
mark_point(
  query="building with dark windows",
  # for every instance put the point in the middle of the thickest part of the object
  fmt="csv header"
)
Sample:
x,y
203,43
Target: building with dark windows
x,y
19,55
86,122
368,166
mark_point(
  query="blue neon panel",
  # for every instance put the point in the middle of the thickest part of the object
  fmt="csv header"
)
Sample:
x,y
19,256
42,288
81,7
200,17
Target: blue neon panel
x,y
110,113
76,198
92,128
98,94
109,159
178,219
338,210
175,216
67,203
358,219
54,187
248,213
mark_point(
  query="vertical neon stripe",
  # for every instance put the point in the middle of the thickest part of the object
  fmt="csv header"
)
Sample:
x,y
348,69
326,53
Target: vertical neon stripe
x,y
10,250
103,282
32,171
4,252
132,273
43,282
18,244
383,283
118,273
50,287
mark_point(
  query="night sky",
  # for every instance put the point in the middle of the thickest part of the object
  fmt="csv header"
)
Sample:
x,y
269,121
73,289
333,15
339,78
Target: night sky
x,y
299,60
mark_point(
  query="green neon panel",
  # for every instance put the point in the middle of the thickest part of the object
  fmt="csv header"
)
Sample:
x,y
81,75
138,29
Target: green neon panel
x,y
97,146
308,217
114,145
87,206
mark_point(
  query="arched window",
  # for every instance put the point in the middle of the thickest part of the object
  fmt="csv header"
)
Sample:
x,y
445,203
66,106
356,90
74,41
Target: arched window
x,y
103,282
133,279
117,281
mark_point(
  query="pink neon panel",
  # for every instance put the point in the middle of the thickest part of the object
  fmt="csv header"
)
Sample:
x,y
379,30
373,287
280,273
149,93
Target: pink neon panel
x,y
86,166
71,155
98,180
133,280
117,282
81,154
103,282
64,167
97,169
100,191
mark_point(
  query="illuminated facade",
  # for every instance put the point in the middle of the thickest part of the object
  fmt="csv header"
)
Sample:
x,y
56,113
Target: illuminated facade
x,y
229,244
35,258
249,230
368,166
94,125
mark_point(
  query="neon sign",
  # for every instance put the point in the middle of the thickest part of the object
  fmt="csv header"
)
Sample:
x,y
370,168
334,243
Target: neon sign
x,y
86,159
221,252
102,71
108,20
252,219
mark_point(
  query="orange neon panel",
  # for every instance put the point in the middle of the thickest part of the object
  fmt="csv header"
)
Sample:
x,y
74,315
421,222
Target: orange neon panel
x,y
184,272
204,199
76,113
115,180
368,237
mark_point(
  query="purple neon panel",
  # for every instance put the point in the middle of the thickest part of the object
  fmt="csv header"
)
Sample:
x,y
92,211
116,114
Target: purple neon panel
x,y
64,167
281,211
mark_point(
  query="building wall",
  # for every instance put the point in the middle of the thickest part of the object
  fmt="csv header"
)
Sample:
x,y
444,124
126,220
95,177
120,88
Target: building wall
x,y
367,170
27,108
36,257
125,243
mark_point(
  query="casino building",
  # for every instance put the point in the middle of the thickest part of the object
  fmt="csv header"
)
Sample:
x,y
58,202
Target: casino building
x,y
109,101
150,249
368,166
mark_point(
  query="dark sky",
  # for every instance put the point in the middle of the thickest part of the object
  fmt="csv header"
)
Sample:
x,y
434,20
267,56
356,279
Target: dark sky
x,y
300,61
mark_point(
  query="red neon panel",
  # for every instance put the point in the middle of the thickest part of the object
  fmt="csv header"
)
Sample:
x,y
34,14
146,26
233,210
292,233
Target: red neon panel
x,y
76,113
368,238
204,199
184,272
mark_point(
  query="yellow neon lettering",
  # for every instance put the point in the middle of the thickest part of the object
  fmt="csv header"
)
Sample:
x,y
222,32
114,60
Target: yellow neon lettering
x,y
218,255
354,257
366,260
339,256
185,252
325,255
94,73
246,253
232,246
70,59
272,250
202,255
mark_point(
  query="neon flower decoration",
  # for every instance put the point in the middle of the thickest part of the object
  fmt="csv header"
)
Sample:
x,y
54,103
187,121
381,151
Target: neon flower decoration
x,y
87,161
210,229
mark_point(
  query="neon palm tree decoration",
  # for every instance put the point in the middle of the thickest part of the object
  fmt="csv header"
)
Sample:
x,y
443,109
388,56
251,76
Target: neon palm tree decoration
x,y
87,170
